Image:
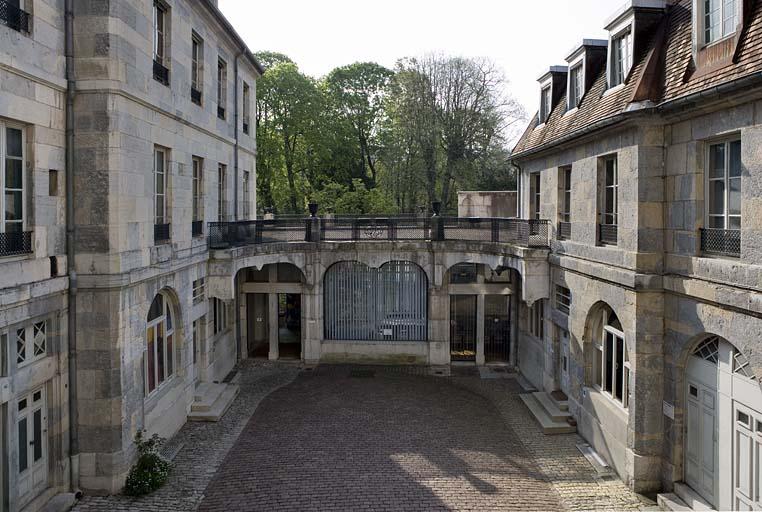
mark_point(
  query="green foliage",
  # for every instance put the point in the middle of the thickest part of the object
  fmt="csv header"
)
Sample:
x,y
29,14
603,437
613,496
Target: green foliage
x,y
150,471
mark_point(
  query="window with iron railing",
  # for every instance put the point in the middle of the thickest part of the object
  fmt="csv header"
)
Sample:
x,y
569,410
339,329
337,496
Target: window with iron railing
x,y
160,42
722,236
564,203
14,238
197,68
222,206
534,196
609,217
13,15
198,196
161,217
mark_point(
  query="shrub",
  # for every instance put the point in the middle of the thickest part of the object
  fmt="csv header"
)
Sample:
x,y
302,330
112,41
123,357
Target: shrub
x,y
151,470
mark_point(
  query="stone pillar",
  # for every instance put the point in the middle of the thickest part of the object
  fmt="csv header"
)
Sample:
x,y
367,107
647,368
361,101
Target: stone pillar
x,y
272,322
480,359
514,318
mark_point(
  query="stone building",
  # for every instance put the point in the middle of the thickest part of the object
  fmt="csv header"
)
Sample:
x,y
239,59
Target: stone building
x,y
645,158
125,127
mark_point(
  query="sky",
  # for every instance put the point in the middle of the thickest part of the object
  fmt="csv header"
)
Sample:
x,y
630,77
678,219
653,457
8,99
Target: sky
x,y
524,38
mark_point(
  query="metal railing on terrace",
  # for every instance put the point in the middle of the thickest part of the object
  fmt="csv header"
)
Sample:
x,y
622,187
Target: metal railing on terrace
x,y
520,232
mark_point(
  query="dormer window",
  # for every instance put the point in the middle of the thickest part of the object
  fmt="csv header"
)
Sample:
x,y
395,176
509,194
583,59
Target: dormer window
x,y
576,86
621,57
545,104
720,19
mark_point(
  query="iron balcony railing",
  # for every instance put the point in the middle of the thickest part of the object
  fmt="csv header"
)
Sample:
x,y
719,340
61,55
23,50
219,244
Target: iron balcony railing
x,y
221,112
721,242
564,230
161,233
524,233
160,72
13,17
246,127
196,96
15,242
608,234
197,228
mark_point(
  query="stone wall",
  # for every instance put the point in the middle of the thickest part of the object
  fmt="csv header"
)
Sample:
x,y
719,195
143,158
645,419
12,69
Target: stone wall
x,y
488,204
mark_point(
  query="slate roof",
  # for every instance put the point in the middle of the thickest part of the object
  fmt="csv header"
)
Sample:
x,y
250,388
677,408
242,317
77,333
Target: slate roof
x,y
674,79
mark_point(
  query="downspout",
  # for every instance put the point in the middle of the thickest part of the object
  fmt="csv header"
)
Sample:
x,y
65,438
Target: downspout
x,y
70,253
235,209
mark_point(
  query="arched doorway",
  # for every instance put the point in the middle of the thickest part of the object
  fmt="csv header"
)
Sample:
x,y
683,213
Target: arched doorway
x,y
723,426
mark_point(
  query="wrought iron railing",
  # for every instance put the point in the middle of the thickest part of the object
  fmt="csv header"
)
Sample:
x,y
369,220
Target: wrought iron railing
x,y
13,17
161,233
524,233
197,228
608,234
564,230
15,243
246,127
196,96
221,112
160,72
721,242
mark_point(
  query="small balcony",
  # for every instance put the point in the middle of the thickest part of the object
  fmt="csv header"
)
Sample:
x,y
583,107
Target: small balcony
x,y
13,17
246,126
196,96
161,233
608,234
160,72
15,243
197,228
721,242
564,230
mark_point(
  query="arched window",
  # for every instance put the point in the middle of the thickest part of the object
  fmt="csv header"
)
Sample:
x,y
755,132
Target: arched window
x,y
376,304
611,365
160,334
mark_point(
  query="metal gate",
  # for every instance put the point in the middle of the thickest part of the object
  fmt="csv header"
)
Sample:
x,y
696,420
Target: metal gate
x,y
463,327
497,328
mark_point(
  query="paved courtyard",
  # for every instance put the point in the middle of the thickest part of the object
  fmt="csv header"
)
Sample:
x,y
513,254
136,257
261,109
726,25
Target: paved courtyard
x,y
341,438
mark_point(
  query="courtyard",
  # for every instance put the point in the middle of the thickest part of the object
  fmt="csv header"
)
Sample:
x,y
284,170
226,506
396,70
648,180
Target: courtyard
x,y
376,438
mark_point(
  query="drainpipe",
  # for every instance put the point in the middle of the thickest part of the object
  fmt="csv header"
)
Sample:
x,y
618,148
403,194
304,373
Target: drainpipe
x,y
70,253
235,209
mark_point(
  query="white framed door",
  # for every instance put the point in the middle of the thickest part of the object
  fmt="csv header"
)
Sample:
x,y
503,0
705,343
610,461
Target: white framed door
x,y
32,439
701,429
747,450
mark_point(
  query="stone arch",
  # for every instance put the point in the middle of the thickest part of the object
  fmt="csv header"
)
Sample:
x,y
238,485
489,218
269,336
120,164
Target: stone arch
x,y
599,316
162,339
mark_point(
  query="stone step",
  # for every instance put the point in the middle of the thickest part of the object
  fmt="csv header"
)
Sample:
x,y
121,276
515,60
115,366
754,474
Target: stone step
x,y
220,406
561,400
201,389
691,498
210,395
546,423
671,501
551,408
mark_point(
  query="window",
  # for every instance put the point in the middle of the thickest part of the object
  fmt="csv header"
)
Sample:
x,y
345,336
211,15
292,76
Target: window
x,y
545,104
537,319
221,192
32,432
160,42
160,333
576,86
52,183
220,314
197,68
564,210
222,85
609,182
720,19
621,58
724,185
563,299
160,190
198,189
12,178
198,290
612,363
534,195
246,191
246,108
31,343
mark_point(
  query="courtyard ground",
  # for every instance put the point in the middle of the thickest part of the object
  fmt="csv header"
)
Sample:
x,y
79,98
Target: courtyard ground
x,y
382,438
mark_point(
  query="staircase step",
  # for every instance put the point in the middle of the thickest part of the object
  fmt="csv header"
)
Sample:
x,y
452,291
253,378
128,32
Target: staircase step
x,y
690,497
671,501
208,398
219,407
551,408
546,423
561,400
201,389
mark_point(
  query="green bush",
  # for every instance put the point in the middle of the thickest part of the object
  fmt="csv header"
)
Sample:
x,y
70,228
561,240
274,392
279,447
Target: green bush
x,y
151,470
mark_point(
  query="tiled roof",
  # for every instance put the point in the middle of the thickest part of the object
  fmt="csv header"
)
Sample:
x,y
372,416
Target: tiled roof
x,y
674,80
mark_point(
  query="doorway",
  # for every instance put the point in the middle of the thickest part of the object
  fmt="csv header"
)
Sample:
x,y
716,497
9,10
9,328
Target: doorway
x,y
563,359
463,327
289,326
497,328
258,334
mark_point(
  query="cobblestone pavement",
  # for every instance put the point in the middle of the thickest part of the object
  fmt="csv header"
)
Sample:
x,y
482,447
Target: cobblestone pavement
x,y
342,438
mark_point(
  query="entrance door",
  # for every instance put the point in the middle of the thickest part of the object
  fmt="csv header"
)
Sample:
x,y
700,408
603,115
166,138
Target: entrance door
x,y
32,435
563,359
747,440
701,449
196,350
463,327
289,326
497,328
257,333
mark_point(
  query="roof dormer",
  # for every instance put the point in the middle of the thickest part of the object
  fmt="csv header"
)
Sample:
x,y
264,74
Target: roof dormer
x,y
717,26
552,88
585,62
626,28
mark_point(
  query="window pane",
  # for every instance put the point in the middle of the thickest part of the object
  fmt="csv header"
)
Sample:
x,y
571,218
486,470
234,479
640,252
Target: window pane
x,y
37,429
717,222
619,367
734,159
13,142
734,196
13,173
609,371
734,222
717,161
717,197
13,206
160,352
597,367
151,363
23,445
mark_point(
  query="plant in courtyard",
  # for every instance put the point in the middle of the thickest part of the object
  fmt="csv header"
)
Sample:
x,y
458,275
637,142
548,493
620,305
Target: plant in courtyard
x,y
151,469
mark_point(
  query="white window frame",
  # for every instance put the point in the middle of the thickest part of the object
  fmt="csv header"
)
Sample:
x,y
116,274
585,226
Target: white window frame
x,y
563,299
535,195
564,211
161,177
160,33
199,290
222,172
546,102
726,216
198,188
620,59
537,319
707,36
247,107
610,212
27,414
4,127
576,86
167,322
30,343
599,366
222,84
197,62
